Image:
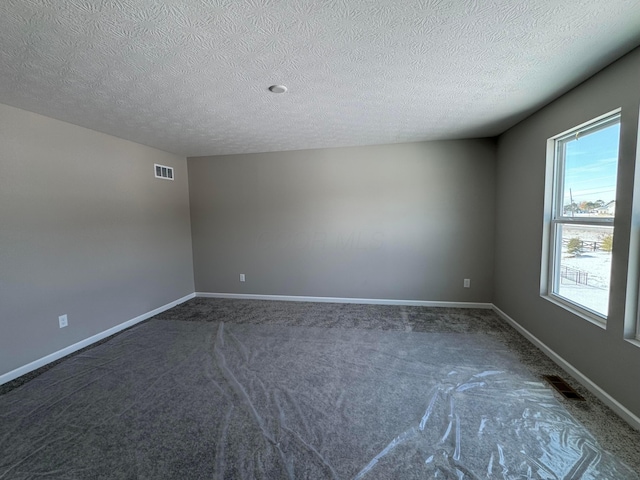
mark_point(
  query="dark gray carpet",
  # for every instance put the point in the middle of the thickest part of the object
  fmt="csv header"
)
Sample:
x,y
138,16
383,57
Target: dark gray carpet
x,y
250,389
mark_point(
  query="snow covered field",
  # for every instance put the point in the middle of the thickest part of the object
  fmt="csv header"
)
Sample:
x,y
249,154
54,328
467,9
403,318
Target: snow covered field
x,y
596,264
594,295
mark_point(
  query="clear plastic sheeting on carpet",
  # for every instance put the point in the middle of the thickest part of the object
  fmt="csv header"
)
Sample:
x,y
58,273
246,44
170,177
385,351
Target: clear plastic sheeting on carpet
x,y
172,399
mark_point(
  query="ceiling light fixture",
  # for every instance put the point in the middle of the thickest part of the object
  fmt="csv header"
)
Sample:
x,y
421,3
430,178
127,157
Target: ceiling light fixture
x,y
277,89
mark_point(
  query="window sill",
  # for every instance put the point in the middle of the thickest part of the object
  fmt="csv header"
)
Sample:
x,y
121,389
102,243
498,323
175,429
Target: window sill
x,y
577,311
633,341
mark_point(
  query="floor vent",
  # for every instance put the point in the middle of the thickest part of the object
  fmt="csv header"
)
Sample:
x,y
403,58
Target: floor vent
x,y
163,172
563,387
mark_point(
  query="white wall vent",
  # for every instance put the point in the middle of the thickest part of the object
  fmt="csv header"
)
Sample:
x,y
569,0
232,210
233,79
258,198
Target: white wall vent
x,y
163,172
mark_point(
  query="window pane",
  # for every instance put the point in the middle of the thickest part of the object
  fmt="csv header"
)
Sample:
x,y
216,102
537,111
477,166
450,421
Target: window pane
x,y
590,170
583,265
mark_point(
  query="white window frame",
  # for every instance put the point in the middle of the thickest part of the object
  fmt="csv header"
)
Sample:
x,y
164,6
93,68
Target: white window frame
x,y
636,338
555,216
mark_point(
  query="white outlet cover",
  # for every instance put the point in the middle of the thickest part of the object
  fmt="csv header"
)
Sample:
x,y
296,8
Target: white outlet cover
x,y
63,321
467,283
242,278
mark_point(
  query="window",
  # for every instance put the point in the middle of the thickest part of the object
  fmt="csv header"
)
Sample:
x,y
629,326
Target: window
x,y
583,203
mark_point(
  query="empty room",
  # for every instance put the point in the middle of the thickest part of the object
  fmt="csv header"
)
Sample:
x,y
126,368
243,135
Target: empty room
x,y
352,239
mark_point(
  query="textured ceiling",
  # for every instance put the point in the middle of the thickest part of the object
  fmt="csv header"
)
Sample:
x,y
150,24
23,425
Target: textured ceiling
x,y
191,76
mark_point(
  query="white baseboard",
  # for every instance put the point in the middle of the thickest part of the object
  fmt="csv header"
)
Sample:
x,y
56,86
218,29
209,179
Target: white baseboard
x,y
7,377
366,301
607,399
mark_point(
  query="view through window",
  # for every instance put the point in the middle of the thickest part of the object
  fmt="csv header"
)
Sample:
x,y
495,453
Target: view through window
x,y
586,167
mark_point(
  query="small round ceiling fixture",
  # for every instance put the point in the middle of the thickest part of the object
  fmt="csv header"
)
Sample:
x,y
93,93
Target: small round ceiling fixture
x,y
277,89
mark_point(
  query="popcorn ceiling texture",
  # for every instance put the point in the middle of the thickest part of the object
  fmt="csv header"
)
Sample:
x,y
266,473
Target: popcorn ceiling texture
x,y
191,77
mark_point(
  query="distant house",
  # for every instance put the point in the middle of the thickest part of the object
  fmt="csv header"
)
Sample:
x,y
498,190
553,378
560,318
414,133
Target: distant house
x,y
607,209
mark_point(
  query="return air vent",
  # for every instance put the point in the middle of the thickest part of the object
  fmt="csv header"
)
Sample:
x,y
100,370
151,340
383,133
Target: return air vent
x,y
563,387
163,172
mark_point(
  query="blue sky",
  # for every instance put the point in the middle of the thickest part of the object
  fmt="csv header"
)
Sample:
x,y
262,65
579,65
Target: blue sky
x,y
591,166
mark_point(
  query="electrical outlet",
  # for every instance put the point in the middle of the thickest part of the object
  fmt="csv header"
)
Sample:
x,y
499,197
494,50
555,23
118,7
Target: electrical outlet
x,y
467,283
63,321
242,277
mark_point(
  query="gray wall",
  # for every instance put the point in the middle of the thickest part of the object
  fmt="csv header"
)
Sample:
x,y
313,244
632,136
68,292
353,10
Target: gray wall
x,y
86,230
601,354
406,221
